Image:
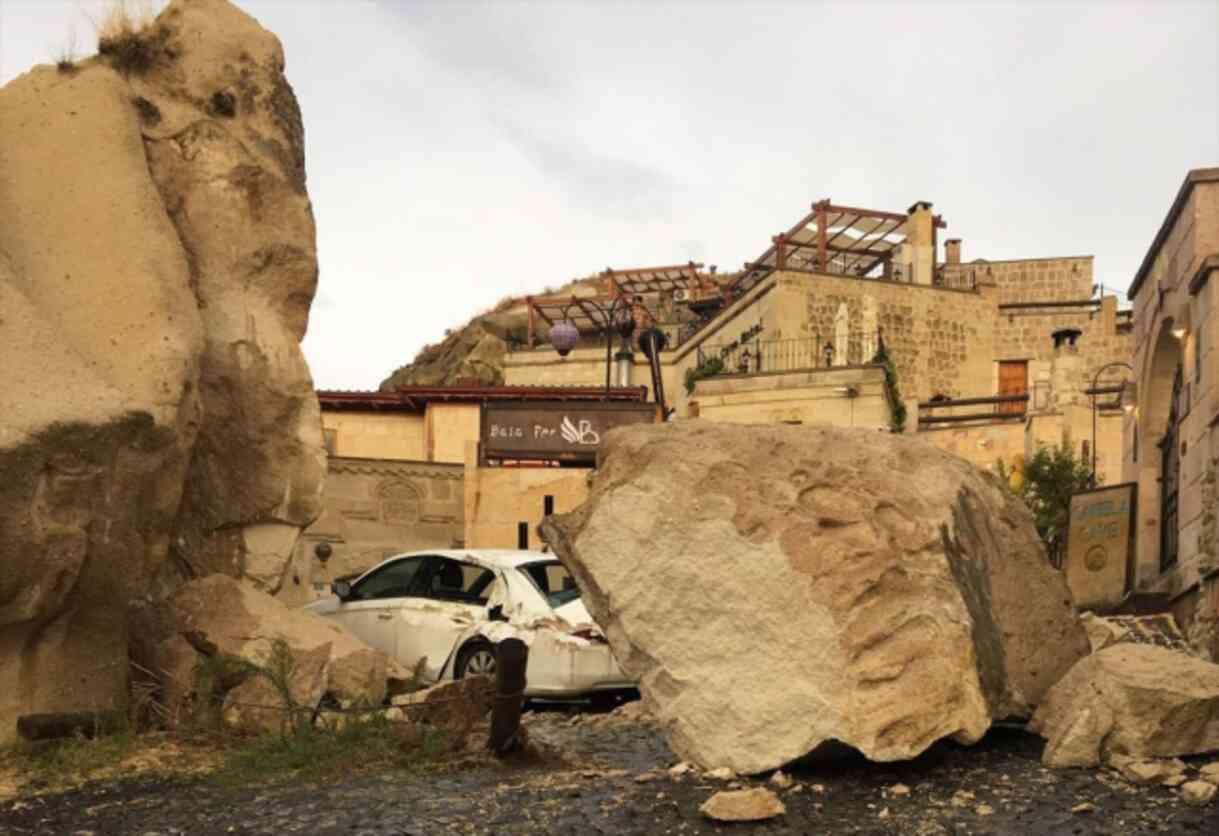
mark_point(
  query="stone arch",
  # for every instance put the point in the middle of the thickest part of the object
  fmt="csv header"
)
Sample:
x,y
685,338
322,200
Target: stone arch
x,y
398,502
1155,401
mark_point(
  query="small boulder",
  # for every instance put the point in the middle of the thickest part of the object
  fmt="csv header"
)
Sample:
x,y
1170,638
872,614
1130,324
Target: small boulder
x,y
261,653
756,804
1198,793
460,703
1132,699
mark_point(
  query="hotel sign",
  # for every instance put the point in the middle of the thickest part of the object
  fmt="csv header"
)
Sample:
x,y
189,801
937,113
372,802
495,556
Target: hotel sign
x,y
565,431
1100,545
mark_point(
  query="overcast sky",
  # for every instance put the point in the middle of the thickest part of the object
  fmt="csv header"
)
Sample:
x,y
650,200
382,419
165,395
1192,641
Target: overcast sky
x,y
458,153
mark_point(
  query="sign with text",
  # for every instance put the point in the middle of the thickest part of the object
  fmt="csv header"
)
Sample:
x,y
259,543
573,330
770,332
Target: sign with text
x,y
1100,544
561,430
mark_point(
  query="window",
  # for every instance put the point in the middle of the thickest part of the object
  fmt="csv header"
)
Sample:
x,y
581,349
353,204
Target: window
x,y
449,580
1198,349
392,581
553,580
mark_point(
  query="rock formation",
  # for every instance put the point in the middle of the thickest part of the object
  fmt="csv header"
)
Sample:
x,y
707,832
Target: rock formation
x,y
774,588
266,648
157,263
1130,699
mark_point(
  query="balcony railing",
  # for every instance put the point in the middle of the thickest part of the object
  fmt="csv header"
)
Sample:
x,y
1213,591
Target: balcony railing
x,y
763,356
996,408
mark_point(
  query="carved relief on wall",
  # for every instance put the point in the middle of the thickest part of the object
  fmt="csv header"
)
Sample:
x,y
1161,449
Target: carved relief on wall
x,y
399,502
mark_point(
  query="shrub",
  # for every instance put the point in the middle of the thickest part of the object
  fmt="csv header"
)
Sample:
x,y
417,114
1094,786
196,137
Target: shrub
x,y
1051,476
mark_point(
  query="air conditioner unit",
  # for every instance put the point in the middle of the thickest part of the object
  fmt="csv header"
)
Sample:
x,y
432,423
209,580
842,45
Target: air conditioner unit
x,y
681,295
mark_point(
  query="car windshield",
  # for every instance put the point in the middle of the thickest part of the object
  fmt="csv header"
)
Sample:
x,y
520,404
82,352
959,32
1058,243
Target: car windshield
x,y
554,581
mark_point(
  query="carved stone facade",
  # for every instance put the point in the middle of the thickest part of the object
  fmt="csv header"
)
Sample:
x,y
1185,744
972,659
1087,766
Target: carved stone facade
x,y
375,508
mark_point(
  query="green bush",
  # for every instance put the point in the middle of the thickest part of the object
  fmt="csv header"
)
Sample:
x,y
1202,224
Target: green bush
x,y
1051,476
710,367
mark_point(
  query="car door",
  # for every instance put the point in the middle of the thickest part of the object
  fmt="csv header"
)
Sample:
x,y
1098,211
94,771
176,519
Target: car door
x,y
369,611
450,597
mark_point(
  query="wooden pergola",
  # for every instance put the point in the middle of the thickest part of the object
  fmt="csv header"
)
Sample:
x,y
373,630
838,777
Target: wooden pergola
x,y
839,240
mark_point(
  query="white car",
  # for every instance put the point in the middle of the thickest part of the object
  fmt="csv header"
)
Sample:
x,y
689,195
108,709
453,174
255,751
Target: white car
x,y
449,608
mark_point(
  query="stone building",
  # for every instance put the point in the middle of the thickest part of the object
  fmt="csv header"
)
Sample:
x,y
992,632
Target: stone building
x,y
408,470
1172,446
793,338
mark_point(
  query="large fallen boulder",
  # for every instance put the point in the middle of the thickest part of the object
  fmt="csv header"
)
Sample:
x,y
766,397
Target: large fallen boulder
x,y
264,657
157,263
1130,699
773,588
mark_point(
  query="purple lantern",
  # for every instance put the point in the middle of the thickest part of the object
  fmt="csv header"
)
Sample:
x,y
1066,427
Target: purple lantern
x,y
564,336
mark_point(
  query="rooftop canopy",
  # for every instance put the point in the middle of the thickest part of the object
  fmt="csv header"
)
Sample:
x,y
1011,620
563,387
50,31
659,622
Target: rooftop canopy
x,y
842,240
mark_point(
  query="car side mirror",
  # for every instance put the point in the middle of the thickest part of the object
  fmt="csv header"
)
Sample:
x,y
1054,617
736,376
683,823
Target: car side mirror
x,y
496,613
342,589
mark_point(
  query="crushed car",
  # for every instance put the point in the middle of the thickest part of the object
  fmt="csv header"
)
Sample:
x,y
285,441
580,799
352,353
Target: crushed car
x,y
441,613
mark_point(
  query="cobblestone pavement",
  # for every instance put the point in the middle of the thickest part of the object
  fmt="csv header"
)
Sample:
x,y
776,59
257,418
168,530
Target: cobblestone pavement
x,y
996,787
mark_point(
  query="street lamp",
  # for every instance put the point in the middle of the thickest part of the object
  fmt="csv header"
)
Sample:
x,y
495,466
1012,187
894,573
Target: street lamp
x,y
1095,383
618,318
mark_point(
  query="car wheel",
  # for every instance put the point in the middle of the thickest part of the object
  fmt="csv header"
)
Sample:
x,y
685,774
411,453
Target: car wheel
x,y
474,659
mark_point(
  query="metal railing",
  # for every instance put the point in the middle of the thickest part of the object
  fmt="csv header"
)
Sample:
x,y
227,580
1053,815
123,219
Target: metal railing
x,y
998,407
765,356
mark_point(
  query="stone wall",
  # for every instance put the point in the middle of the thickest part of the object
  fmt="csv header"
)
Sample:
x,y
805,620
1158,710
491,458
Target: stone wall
x,y
375,508
1186,252
1024,334
1030,279
499,499
375,435
940,339
815,398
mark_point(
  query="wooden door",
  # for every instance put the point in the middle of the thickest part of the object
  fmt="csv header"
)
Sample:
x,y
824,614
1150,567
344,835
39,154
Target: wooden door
x,y
1013,380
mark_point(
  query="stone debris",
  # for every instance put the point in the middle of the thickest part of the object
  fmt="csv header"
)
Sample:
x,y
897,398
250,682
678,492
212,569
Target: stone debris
x,y
781,780
947,617
1138,700
962,798
1084,807
899,790
1198,793
1158,630
1151,771
1210,772
722,773
756,804
680,769
646,777
984,810
240,630
460,703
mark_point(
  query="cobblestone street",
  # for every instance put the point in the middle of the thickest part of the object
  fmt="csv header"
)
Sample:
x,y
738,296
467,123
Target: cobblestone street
x,y
610,776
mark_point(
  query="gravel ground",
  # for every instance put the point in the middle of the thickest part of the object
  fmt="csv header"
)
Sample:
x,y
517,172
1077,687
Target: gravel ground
x,y
595,786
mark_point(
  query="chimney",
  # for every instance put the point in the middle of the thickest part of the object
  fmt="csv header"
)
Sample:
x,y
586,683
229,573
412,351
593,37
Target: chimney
x,y
952,251
920,238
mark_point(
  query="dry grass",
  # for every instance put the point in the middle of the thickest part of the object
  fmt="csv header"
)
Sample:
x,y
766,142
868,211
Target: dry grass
x,y
128,38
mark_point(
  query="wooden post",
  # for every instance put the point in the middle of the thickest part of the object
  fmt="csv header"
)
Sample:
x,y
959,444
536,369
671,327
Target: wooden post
x,y
532,327
511,659
822,217
780,242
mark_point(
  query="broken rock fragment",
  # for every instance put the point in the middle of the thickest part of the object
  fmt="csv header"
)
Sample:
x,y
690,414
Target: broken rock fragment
x,y
756,804
1130,699
773,588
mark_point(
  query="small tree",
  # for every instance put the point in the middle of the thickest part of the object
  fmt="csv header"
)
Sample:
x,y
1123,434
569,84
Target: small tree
x,y
1050,477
